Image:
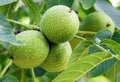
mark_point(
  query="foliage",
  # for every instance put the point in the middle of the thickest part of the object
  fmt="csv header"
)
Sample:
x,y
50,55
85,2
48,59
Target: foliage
x,y
97,54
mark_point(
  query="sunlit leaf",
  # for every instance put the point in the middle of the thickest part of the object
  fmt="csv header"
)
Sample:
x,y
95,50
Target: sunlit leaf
x,y
75,41
113,72
113,45
104,66
80,50
81,67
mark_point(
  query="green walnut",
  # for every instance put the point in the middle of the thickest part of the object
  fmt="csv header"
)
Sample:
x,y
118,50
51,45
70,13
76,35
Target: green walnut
x,y
58,57
59,24
97,21
33,52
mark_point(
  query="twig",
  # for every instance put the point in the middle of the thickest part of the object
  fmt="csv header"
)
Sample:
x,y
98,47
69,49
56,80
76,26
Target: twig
x,y
33,74
28,26
5,69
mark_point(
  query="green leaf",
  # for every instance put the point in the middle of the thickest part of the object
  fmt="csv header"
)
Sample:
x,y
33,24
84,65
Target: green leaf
x,y
50,3
47,77
93,49
103,6
10,10
6,34
9,78
33,11
4,59
38,71
104,66
0,67
4,2
80,50
113,72
116,36
118,77
66,2
2,49
101,35
86,4
50,75
6,45
75,41
113,45
82,66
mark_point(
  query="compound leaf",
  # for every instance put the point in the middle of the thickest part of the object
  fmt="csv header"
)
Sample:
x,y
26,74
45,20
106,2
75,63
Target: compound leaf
x,y
82,66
